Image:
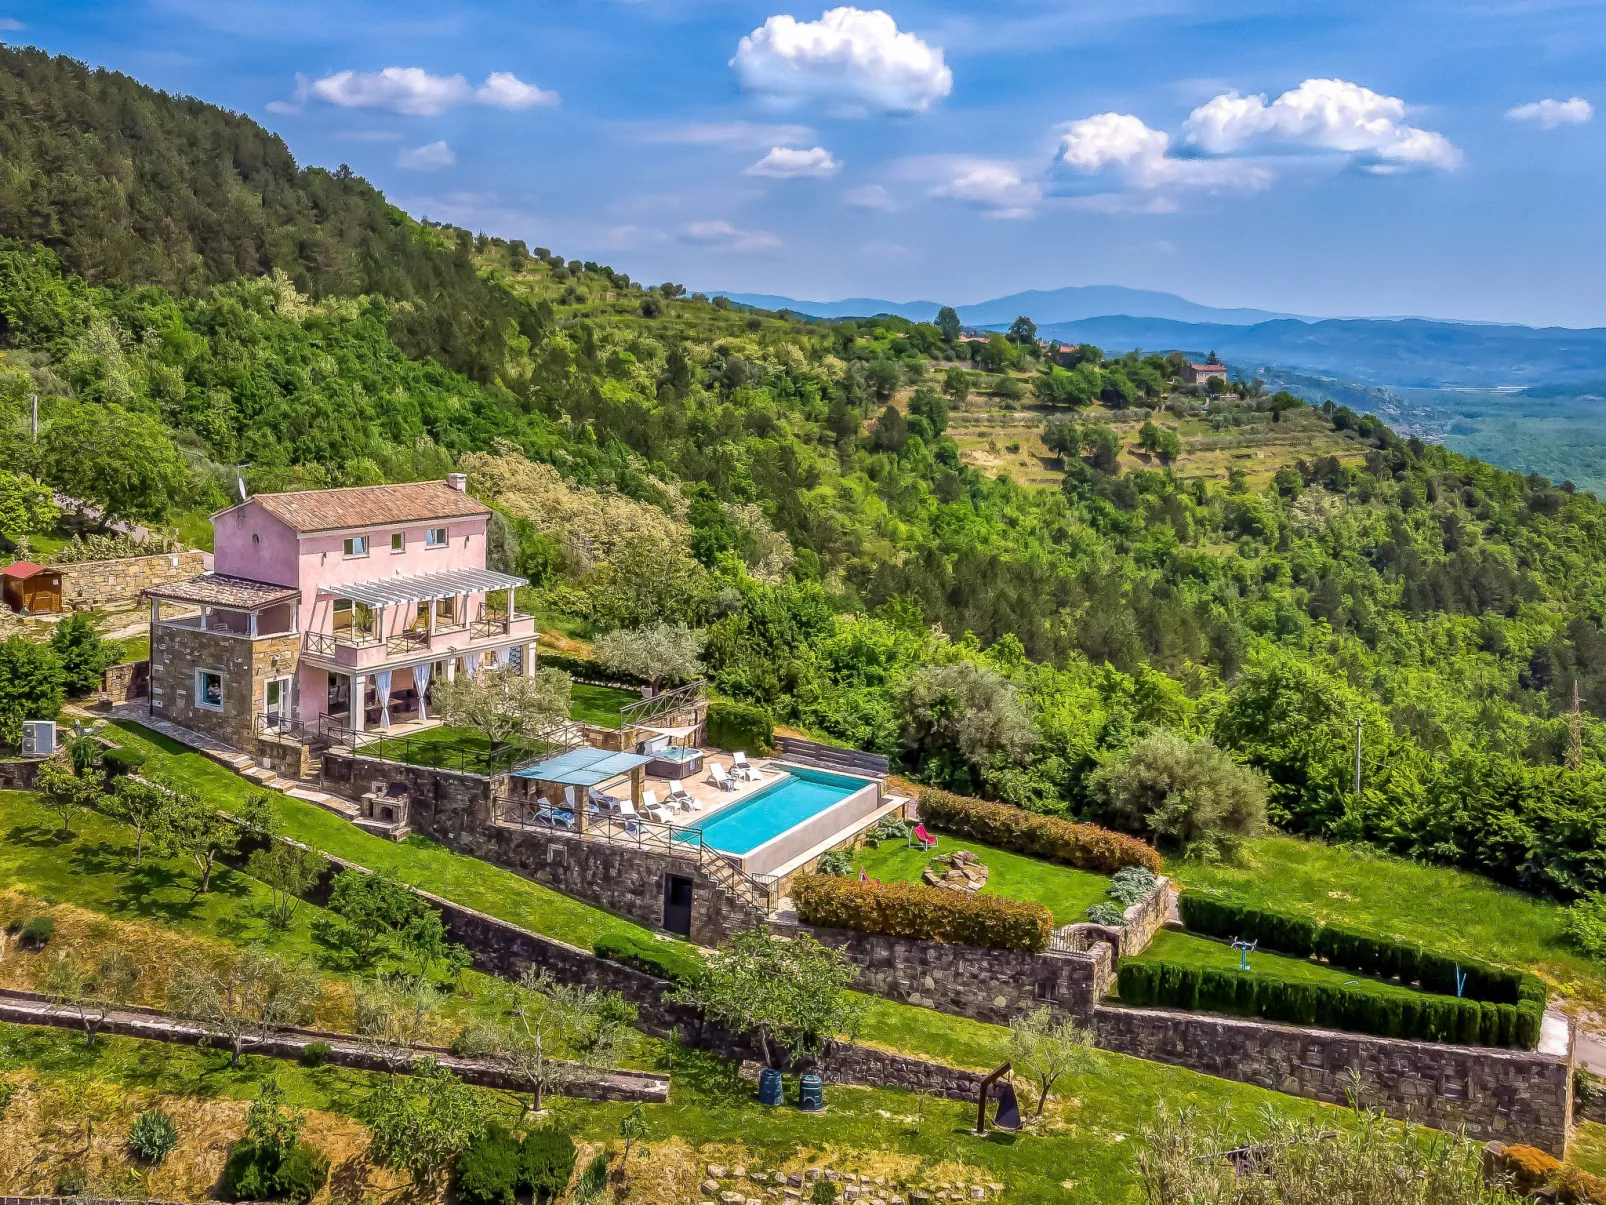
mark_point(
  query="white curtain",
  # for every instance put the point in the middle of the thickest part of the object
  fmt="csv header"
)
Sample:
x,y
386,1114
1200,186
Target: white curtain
x,y
421,681
473,664
382,684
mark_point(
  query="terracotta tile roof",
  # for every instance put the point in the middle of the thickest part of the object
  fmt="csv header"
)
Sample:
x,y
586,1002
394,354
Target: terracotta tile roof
x,y
369,506
21,569
219,590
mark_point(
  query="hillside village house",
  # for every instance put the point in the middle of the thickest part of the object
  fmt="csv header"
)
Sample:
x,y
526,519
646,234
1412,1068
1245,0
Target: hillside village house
x,y
1199,374
334,609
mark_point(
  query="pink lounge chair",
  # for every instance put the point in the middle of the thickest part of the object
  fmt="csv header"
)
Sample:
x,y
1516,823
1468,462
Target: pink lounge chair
x,y
922,838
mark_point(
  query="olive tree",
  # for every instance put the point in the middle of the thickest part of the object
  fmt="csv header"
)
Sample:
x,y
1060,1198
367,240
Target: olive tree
x,y
1189,795
1047,1046
504,704
90,989
656,652
243,999
966,709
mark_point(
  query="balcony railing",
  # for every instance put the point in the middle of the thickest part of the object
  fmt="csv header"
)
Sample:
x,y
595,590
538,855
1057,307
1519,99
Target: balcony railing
x,y
407,642
495,626
410,640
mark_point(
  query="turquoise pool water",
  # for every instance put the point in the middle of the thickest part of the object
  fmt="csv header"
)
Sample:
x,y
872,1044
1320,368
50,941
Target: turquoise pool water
x,y
773,809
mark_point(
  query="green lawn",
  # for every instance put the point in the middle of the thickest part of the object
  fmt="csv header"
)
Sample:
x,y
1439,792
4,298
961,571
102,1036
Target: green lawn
x,y
599,705
136,648
1449,910
1067,893
1193,950
449,748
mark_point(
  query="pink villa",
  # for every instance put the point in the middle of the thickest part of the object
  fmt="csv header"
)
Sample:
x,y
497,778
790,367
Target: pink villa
x,y
333,610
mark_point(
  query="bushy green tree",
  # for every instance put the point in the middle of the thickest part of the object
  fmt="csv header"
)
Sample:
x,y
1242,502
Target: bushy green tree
x,y
32,686
656,653
83,655
1189,795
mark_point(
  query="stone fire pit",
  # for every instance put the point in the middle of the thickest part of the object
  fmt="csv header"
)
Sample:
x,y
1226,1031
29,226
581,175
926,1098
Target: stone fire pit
x,y
958,871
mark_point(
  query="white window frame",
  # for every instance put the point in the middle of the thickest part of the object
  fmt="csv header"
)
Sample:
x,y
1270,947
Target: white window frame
x,y
398,542
199,697
286,695
354,547
436,537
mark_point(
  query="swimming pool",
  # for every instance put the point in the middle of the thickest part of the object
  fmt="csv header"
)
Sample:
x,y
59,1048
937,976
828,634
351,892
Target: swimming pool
x,y
799,795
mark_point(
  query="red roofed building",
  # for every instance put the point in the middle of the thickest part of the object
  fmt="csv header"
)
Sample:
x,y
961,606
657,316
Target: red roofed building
x,y
1198,374
35,589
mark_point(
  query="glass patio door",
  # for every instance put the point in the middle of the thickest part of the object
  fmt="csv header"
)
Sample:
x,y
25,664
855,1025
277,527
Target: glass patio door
x,y
276,701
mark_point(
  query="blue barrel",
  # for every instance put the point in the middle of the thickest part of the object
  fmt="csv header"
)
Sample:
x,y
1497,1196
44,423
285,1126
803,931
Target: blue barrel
x,y
769,1086
811,1093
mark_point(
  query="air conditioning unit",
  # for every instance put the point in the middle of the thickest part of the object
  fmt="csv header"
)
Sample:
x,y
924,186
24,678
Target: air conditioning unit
x,y
38,738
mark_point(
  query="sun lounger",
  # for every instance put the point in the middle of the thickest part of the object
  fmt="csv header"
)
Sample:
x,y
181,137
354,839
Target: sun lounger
x,y
741,768
678,793
724,782
653,810
556,817
921,839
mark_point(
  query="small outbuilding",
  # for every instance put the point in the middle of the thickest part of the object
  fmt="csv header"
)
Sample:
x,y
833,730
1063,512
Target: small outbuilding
x,y
32,589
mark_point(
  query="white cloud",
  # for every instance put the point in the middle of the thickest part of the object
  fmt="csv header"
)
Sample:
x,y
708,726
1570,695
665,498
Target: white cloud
x,y
430,157
410,90
871,196
788,163
996,187
728,237
736,135
417,93
504,90
1548,114
298,98
10,25
1122,146
849,57
1323,114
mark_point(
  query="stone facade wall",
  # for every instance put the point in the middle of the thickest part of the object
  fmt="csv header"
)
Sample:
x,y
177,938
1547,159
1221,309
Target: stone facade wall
x,y
176,653
455,809
847,1064
92,584
1512,1095
130,680
1146,918
987,985
1592,1108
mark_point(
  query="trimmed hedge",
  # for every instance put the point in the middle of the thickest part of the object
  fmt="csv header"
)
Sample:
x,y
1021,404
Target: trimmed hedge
x,y
739,726
1533,1169
915,910
1084,846
1358,1008
1365,953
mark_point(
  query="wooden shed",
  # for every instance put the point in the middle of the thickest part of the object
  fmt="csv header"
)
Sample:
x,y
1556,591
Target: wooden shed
x,y
35,589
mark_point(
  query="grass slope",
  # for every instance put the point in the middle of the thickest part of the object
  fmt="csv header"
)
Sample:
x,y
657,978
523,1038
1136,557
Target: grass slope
x,y
1067,893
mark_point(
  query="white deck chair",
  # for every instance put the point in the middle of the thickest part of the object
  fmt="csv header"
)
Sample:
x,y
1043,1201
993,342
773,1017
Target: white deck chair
x,y
682,798
742,768
721,780
651,808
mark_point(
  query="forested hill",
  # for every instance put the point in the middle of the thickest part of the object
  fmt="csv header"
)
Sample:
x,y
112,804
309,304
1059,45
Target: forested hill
x,y
795,492
129,185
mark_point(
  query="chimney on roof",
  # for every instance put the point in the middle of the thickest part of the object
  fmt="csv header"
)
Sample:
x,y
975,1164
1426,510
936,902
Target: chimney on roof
x,y
458,482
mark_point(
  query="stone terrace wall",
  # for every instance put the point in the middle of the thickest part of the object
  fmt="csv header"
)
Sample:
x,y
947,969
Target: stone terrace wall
x,y
1510,1095
987,985
130,680
91,584
455,809
19,774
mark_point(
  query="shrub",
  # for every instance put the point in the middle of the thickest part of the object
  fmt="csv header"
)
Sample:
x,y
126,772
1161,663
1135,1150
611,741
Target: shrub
x,y
315,1054
546,1160
1583,925
824,1193
116,762
257,1173
1356,1007
1192,796
487,1171
1102,913
37,932
926,913
837,862
1132,885
153,1136
735,726
1534,1171
1369,954
1084,846
72,1180
667,960
593,1181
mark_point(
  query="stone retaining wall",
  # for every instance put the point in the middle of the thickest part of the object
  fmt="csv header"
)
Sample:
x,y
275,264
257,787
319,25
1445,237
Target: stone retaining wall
x,y
30,1008
987,985
130,680
89,585
1512,1095
19,773
455,809
865,1065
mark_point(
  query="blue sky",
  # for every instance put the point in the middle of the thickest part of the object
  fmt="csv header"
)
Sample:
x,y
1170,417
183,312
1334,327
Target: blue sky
x,y
1380,157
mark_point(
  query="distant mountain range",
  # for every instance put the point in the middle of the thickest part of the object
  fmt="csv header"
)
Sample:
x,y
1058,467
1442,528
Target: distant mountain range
x,y
1367,352
1070,304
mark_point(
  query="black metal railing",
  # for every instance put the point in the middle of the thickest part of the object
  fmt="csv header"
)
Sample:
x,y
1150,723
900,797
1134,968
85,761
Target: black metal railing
x,y
655,707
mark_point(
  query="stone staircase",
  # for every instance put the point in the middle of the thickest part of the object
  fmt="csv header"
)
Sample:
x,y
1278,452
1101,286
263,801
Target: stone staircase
x,y
231,758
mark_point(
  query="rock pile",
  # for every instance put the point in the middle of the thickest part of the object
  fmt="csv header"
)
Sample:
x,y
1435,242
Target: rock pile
x,y
742,1185
958,871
